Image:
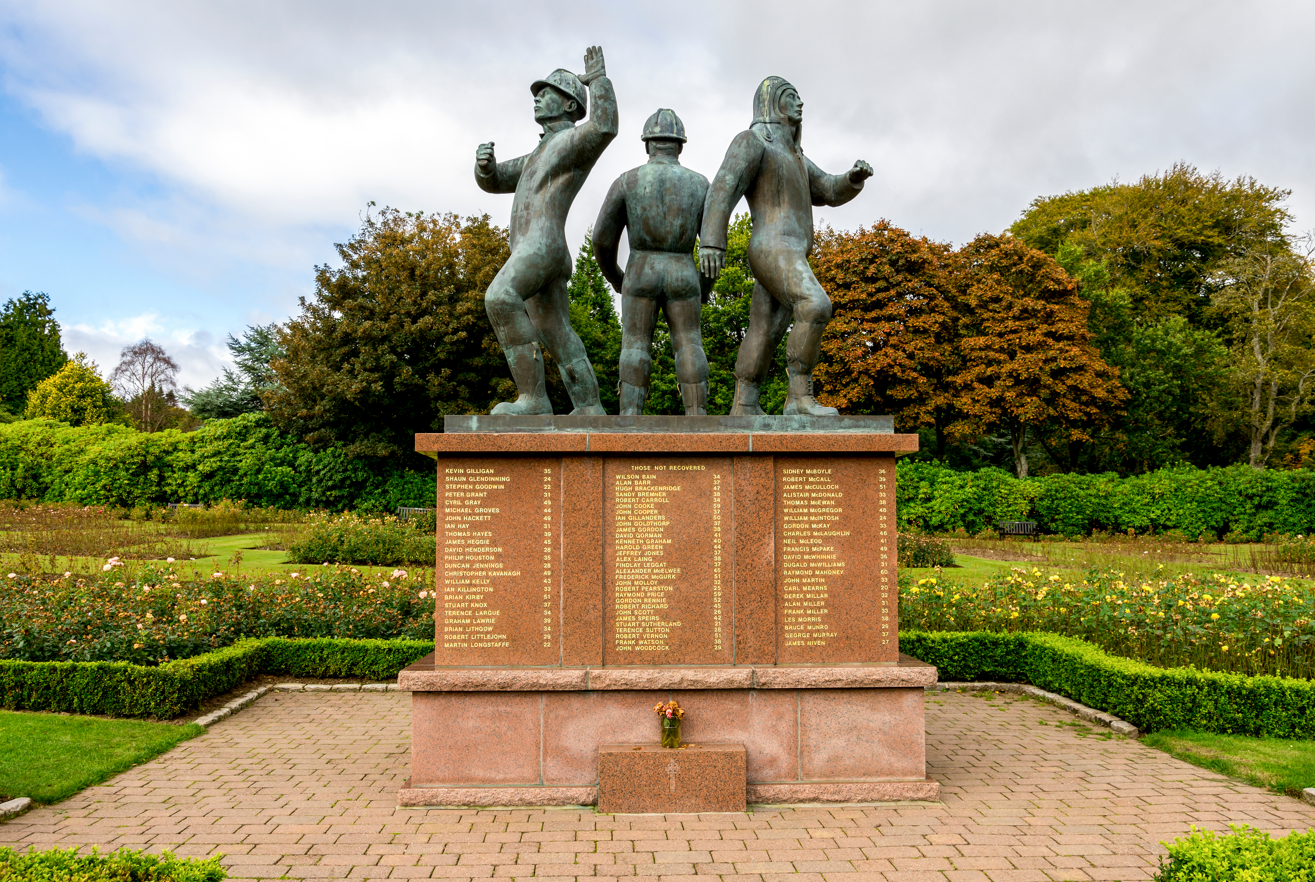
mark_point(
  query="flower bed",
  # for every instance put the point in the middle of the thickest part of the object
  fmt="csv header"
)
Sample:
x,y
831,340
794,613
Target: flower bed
x,y
1222,623
151,614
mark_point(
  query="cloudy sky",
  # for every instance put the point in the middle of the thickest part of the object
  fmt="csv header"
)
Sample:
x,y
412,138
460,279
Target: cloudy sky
x,y
177,169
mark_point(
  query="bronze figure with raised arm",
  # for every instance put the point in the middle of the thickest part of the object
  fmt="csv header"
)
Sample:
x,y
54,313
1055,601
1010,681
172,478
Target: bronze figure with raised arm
x,y
767,165
660,204
527,301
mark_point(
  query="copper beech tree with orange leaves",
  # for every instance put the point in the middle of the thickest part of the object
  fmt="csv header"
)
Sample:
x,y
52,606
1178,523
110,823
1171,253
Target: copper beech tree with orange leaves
x,y
990,338
1027,356
891,345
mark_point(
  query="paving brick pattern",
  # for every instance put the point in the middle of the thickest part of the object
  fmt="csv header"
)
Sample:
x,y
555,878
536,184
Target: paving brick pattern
x,y
304,786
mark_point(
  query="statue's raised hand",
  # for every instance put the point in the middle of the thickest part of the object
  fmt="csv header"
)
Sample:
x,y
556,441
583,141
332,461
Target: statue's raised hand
x,y
593,65
860,172
484,157
711,260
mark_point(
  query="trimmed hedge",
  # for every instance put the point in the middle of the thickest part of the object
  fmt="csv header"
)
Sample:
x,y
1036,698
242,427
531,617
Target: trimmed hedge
x,y
125,865
244,458
1234,501
119,689
1150,698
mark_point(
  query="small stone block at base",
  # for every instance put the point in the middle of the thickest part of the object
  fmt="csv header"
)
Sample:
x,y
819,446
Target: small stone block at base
x,y
643,778
1309,795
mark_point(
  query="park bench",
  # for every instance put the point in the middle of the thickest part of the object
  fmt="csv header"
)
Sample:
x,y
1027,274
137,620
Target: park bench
x,y
1017,528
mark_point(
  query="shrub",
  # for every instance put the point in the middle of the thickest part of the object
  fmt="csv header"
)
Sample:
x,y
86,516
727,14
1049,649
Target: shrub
x,y
915,550
166,691
244,458
1216,502
1221,623
119,866
1245,855
1150,698
349,538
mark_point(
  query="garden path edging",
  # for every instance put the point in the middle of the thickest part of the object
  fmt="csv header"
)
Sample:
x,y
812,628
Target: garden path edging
x,y
14,807
1090,714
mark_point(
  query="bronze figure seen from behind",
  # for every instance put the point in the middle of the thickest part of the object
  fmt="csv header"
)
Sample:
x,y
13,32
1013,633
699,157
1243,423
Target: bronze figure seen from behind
x,y
527,301
660,204
766,164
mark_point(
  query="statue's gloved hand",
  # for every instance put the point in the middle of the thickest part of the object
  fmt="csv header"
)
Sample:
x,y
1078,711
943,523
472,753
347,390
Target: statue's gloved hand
x,y
484,157
593,65
711,260
860,172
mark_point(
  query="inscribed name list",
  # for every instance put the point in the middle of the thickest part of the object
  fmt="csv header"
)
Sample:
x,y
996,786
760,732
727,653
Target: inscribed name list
x,y
499,545
667,525
836,597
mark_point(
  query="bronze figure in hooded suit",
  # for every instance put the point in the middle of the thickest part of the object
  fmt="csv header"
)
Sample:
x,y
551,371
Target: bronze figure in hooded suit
x,y
527,301
661,205
767,165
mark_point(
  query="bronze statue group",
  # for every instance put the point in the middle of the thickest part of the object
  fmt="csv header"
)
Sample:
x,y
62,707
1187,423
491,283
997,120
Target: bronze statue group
x,y
665,209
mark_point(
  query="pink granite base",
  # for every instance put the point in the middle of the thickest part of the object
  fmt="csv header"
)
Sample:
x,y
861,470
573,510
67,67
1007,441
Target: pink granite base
x,y
482,743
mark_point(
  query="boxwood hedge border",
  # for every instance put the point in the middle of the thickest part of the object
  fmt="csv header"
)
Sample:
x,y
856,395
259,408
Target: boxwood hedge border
x,y
1150,698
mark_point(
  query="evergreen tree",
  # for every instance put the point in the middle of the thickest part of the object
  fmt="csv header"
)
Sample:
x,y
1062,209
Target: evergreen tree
x,y
237,392
30,349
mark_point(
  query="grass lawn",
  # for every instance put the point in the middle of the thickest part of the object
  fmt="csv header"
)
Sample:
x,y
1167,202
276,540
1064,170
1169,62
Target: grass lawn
x,y
1276,763
216,554
50,757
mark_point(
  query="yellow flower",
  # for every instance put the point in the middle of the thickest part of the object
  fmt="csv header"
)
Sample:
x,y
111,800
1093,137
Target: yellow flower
x,y
1214,616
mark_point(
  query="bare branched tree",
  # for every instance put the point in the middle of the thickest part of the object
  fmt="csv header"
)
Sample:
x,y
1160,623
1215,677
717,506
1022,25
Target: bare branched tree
x,y
1269,297
147,379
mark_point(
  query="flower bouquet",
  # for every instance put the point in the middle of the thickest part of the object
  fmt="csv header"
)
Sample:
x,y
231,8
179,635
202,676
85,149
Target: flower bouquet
x,y
670,715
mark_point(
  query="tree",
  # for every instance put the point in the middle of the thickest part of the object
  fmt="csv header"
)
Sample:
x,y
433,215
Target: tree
x,y
1164,237
395,338
1027,356
1268,297
234,393
892,345
1174,373
147,378
593,315
30,349
76,394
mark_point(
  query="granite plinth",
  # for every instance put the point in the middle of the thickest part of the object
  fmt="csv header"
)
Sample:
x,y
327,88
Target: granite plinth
x,y
590,567
645,778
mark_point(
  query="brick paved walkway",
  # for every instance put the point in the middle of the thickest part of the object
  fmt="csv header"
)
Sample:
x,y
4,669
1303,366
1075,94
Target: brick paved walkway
x,y
304,785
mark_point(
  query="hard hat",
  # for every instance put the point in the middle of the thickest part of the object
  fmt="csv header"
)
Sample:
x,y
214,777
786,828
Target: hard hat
x,y
664,126
569,85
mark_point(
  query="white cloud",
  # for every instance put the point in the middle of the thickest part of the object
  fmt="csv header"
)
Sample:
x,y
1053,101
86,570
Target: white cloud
x,y
200,356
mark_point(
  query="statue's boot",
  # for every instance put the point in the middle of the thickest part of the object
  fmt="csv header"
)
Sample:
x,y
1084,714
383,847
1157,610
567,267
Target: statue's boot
x,y
800,401
526,363
582,386
801,354
632,399
746,399
695,396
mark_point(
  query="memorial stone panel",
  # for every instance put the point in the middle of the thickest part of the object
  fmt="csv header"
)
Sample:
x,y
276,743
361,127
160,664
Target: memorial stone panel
x,y
498,562
836,597
668,545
